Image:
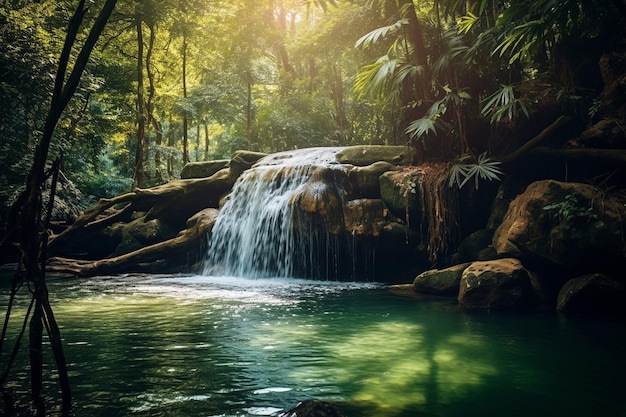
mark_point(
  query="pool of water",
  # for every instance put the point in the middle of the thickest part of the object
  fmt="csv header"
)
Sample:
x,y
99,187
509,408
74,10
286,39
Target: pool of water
x,y
201,346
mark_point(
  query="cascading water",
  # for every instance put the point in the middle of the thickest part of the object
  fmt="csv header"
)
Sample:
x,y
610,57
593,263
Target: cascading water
x,y
263,230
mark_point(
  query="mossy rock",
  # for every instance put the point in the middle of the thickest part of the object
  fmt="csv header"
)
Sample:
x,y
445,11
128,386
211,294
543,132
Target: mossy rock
x,y
203,169
392,193
243,160
368,154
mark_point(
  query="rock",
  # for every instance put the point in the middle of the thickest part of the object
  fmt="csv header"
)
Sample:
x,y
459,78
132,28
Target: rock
x,y
364,216
243,160
501,284
606,134
594,294
566,226
396,193
365,180
368,154
203,169
473,247
314,408
320,196
440,282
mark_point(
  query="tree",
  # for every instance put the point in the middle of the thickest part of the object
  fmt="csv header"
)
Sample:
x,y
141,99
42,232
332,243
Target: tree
x,y
32,236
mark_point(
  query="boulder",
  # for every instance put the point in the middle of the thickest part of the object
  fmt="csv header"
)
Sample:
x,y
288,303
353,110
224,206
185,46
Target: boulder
x,y
606,134
203,169
321,197
313,408
569,227
364,181
501,284
368,154
364,216
243,160
474,247
593,294
440,282
399,192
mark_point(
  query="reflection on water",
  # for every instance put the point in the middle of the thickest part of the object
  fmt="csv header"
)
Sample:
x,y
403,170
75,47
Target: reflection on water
x,y
199,346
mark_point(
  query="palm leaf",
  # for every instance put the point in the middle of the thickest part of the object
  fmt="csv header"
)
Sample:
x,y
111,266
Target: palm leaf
x,y
378,33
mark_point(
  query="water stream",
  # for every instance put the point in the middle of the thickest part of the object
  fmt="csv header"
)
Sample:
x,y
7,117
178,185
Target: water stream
x,y
215,346
262,231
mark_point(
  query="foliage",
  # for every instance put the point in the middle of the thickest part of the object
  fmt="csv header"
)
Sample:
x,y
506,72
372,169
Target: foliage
x,y
484,169
570,208
271,76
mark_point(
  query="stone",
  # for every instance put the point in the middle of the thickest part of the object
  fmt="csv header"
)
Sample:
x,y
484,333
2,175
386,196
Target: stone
x,y
569,227
399,200
364,181
594,294
364,216
203,169
501,284
606,134
440,281
320,196
314,408
368,154
243,160
473,247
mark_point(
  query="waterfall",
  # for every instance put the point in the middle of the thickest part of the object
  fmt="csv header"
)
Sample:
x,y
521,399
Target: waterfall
x,y
268,228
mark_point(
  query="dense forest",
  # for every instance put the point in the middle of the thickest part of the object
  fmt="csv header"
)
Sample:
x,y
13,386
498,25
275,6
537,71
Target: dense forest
x,y
103,98
188,80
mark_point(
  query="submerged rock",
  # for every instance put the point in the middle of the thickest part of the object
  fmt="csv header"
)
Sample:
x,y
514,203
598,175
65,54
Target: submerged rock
x,y
314,408
501,284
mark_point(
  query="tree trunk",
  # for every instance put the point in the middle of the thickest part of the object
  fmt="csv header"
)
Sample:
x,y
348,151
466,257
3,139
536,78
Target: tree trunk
x,y
141,112
185,121
206,141
249,115
32,239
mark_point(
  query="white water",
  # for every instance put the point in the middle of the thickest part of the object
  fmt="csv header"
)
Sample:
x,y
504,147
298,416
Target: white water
x,y
255,234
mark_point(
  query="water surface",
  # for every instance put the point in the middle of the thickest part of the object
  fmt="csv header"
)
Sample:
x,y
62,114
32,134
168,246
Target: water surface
x,y
201,346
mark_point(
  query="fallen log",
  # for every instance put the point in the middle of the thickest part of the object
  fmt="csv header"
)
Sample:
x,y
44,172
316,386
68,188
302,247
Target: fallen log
x,y
172,255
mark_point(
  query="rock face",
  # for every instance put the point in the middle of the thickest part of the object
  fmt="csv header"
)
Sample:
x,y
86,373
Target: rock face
x,y
440,282
501,284
569,226
341,198
594,294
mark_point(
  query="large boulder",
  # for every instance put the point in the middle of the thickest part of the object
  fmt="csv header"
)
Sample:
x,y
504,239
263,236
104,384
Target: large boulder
x,y
593,294
320,198
440,281
501,284
364,181
368,154
203,169
571,227
364,216
399,191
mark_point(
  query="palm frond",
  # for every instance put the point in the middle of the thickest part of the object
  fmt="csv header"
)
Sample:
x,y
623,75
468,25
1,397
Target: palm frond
x,y
484,169
378,33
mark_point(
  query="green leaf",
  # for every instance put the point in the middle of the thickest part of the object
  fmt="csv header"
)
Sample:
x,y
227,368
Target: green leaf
x,y
379,33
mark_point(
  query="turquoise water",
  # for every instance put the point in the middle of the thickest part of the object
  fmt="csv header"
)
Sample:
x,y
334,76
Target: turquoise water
x,y
200,346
